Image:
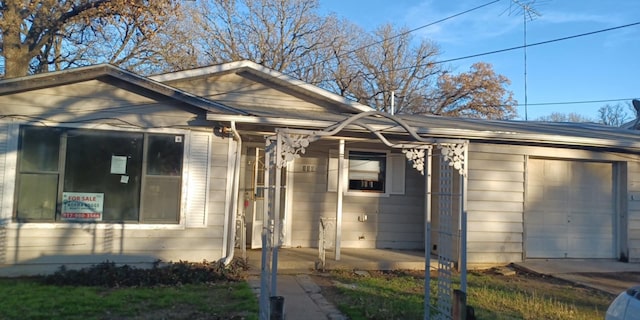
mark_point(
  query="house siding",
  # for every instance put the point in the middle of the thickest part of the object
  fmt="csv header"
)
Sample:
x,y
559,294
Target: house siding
x,y
495,204
96,100
393,221
496,197
244,91
633,211
33,248
42,247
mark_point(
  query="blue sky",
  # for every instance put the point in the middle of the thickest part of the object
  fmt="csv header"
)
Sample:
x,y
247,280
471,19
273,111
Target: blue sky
x,y
603,66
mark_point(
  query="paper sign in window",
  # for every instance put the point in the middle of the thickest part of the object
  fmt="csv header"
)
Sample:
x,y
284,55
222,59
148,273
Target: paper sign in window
x,y
118,164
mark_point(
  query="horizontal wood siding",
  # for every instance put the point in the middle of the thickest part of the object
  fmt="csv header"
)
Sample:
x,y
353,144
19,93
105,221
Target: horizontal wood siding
x,y
633,211
495,205
90,244
394,221
94,99
242,90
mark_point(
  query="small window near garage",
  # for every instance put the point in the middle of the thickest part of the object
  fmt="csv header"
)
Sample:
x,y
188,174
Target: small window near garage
x,y
78,175
367,171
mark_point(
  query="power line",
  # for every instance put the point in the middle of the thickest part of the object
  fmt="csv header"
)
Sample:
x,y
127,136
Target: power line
x,y
399,34
494,51
527,46
579,102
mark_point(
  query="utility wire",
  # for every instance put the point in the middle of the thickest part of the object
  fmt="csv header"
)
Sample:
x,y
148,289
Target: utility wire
x,y
492,52
520,47
399,35
579,102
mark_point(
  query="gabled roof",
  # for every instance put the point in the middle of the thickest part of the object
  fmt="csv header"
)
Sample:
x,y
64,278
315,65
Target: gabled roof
x,y
269,75
75,75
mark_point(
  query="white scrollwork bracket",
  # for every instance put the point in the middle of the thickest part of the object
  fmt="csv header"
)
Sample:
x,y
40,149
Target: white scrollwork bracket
x,y
416,156
291,146
454,154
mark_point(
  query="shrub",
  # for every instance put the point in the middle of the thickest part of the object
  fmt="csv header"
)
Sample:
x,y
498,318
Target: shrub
x,y
109,274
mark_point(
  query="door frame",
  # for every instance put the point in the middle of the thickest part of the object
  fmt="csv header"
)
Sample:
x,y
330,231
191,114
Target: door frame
x,y
255,240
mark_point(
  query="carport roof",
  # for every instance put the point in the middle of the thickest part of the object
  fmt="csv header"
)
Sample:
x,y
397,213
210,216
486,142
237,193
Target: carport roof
x,y
495,131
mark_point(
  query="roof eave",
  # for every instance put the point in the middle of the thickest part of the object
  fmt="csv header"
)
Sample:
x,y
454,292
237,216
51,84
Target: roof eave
x,y
493,136
39,81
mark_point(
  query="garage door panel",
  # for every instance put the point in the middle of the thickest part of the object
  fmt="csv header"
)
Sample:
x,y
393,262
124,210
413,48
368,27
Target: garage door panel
x,y
569,209
588,247
601,223
544,220
547,247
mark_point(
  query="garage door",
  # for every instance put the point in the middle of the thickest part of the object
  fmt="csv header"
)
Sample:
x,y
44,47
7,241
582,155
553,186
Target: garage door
x,y
569,210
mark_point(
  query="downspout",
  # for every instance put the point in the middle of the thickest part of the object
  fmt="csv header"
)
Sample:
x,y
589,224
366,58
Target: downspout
x,y
231,243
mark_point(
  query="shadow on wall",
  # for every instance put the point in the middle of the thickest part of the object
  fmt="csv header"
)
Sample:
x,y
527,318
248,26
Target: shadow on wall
x,y
48,264
98,245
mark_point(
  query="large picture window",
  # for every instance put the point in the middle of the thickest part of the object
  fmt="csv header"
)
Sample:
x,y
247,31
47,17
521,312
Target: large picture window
x,y
120,176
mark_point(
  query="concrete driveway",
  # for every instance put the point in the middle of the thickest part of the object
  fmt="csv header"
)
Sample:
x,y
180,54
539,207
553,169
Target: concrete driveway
x,y
605,275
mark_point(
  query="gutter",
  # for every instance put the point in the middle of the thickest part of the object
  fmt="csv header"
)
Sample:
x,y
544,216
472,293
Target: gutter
x,y
231,243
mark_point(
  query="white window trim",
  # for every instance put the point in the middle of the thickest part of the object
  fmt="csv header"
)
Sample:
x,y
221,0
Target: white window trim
x,y
362,193
10,179
395,169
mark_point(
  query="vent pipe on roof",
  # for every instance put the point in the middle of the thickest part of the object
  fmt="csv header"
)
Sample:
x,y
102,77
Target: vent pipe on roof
x,y
393,98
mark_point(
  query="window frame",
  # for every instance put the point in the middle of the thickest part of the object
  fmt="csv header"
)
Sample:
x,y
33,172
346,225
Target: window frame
x,y
383,159
140,222
366,193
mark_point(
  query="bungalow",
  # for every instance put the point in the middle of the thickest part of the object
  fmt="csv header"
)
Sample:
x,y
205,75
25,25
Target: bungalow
x,y
98,163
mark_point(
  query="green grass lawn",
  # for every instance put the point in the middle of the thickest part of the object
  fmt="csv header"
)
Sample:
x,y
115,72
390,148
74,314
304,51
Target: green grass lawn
x,y
30,299
379,295
399,295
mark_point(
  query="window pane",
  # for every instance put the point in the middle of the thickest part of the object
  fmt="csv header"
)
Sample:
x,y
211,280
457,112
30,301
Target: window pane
x,y
39,149
161,198
88,168
164,155
37,195
367,171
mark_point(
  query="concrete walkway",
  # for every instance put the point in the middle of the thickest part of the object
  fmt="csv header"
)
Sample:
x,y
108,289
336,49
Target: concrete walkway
x,y
302,298
606,275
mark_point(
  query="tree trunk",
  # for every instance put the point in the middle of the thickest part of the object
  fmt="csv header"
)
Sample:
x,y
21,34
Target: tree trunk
x,y
16,53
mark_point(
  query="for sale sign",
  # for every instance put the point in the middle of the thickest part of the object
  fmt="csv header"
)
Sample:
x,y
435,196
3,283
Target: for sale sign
x,y
81,206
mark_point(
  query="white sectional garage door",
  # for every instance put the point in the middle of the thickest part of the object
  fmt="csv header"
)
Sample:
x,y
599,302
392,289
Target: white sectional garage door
x,y
569,209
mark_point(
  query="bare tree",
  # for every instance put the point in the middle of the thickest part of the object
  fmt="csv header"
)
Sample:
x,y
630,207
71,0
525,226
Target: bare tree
x,y
395,65
281,34
286,35
51,34
564,117
615,115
